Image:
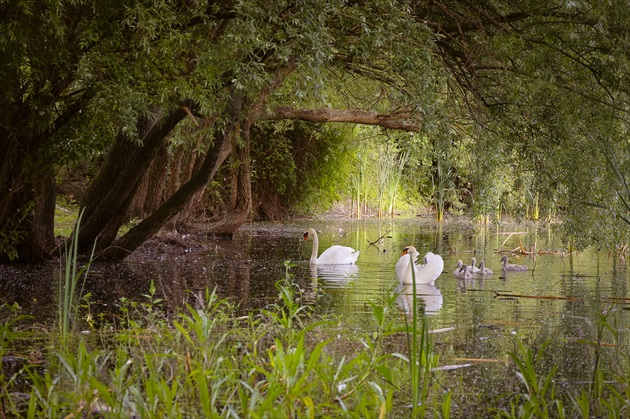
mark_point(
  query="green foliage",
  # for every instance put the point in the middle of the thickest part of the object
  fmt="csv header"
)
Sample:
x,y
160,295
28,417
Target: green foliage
x,y
299,166
14,232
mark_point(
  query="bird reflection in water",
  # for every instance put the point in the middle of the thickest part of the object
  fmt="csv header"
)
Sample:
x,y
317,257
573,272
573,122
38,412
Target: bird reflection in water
x,y
430,296
334,276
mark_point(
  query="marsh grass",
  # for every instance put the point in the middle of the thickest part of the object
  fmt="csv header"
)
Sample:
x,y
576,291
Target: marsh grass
x,y
207,361
70,279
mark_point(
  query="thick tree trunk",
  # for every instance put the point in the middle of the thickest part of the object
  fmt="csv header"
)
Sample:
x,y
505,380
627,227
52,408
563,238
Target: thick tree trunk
x,y
27,202
242,191
126,244
189,163
151,191
108,201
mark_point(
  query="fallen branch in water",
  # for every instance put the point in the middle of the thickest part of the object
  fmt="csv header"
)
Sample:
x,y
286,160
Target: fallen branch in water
x,y
540,297
384,236
611,300
521,250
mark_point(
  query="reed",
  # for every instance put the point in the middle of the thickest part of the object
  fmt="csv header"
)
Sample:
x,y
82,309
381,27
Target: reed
x,y
68,283
421,360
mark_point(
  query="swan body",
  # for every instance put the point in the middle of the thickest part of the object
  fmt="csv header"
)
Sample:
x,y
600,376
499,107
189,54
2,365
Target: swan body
x,y
459,266
472,268
464,273
483,270
511,267
334,255
425,274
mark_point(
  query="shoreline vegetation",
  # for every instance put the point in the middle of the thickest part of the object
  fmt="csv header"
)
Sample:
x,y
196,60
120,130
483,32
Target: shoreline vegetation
x,y
207,361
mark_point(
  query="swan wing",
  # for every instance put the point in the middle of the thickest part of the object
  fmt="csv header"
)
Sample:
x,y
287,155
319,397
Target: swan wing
x,y
431,270
337,255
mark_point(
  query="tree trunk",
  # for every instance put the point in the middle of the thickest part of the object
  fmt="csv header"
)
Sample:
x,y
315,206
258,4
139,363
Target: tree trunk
x,y
242,190
189,162
126,244
108,200
151,192
27,202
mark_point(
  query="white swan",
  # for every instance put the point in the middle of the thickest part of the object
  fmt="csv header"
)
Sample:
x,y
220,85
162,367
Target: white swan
x,y
425,274
483,270
334,255
459,266
464,273
511,267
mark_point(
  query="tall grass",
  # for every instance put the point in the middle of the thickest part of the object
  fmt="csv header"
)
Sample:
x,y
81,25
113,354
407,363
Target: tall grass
x,y
69,280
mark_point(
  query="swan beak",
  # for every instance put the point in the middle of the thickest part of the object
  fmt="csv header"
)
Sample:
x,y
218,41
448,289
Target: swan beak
x,y
305,236
405,251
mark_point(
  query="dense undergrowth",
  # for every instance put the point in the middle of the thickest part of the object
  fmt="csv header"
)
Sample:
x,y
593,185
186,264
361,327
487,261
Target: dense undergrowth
x,y
206,361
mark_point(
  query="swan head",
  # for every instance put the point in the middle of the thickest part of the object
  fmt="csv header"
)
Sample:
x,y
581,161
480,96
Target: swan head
x,y
504,259
307,232
482,264
409,250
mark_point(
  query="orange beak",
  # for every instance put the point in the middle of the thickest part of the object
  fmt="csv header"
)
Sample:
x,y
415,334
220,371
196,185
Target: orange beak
x,y
305,236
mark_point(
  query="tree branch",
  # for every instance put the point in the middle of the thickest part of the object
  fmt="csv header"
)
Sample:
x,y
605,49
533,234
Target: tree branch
x,y
398,120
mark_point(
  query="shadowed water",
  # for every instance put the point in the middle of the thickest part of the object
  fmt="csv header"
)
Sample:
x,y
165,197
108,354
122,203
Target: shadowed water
x,y
246,269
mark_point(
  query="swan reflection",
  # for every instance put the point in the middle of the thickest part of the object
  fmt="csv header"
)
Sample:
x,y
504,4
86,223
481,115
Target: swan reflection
x,y
334,276
430,295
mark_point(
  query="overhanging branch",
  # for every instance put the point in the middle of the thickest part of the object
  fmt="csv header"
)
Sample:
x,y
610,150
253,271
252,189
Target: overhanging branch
x,y
398,121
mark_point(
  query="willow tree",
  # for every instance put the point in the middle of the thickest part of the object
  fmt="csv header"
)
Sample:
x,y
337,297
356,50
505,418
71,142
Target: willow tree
x,y
85,77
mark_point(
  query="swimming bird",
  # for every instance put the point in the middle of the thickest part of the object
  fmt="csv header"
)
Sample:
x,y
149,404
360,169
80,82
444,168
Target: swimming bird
x,y
334,255
483,270
472,268
459,266
464,273
426,273
511,267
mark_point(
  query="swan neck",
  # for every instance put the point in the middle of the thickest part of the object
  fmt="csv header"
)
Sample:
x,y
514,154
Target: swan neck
x,y
315,246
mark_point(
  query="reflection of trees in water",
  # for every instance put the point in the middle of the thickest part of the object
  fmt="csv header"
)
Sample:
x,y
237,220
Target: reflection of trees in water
x,y
31,286
183,279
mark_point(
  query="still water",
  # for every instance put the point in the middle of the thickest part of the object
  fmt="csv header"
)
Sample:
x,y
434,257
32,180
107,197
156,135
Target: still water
x,y
558,297
247,268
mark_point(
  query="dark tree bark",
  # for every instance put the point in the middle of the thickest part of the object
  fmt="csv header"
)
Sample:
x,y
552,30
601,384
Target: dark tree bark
x,y
191,163
153,192
126,244
108,201
241,201
29,208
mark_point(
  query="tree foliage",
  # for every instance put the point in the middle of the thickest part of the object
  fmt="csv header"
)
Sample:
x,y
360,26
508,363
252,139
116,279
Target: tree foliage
x,y
510,93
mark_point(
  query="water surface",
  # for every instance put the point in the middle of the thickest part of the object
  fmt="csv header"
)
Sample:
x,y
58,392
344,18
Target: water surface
x,y
559,298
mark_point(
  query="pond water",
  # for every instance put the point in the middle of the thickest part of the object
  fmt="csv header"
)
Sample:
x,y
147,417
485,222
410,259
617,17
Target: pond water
x,y
559,297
